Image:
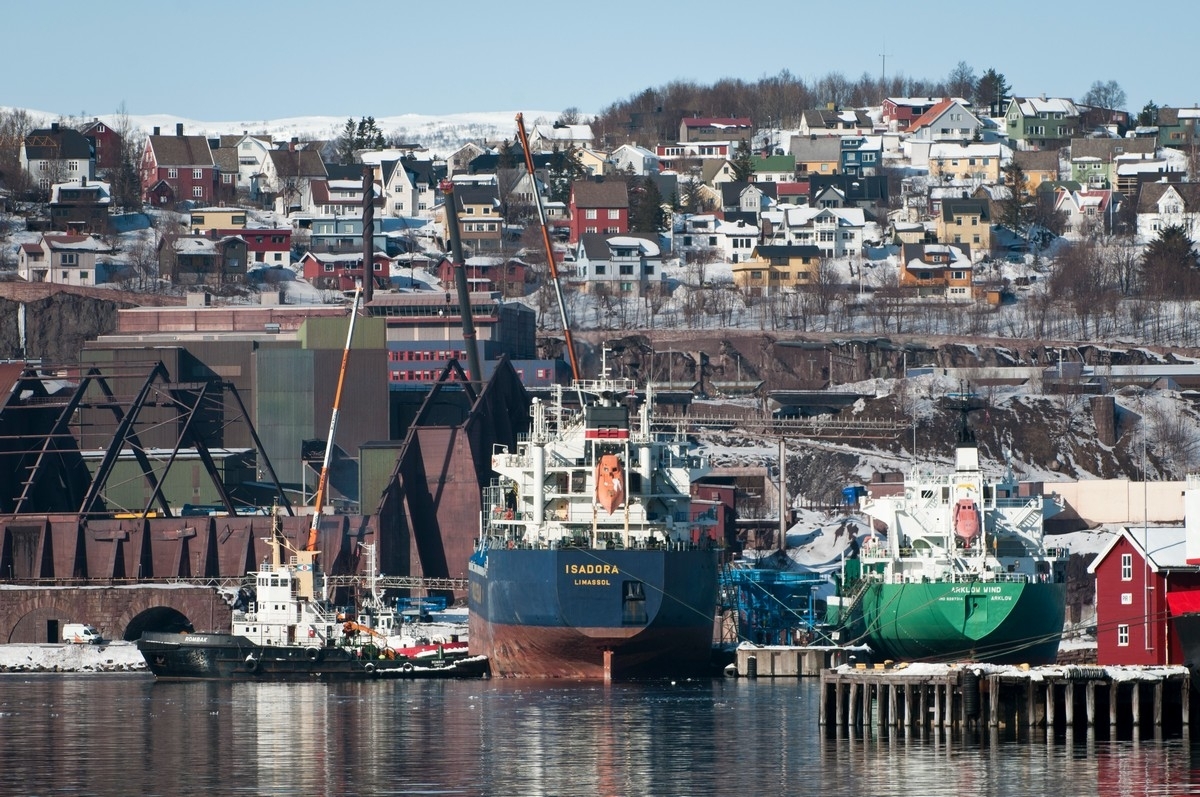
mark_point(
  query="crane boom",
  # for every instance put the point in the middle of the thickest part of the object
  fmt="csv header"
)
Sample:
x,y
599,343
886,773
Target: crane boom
x,y
537,197
333,421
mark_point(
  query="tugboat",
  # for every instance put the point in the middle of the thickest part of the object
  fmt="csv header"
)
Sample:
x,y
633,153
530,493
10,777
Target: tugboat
x,y
963,574
591,563
284,628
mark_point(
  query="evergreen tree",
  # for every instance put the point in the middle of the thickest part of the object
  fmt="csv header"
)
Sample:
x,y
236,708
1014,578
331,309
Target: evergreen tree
x,y
1169,265
645,206
991,90
743,165
363,134
1016,210
1148,116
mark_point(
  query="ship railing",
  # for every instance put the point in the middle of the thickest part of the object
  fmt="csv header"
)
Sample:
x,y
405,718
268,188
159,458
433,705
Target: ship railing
x,y
639,544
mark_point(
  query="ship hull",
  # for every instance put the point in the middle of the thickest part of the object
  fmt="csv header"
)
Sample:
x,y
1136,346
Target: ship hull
x,y
591,614
1000,622
231,657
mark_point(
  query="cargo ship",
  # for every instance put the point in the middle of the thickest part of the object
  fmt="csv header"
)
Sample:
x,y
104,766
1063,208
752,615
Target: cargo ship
x,y
963,572
591,563
284,628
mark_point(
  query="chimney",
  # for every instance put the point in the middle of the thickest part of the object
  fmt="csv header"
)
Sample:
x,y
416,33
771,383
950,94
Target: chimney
x,y
157,131
83,181
292,144
54,127
179,128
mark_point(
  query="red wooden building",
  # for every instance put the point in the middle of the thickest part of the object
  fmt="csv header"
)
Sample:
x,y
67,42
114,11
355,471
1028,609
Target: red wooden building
x,y
341,272
178,168
265,246
598,207
1134,575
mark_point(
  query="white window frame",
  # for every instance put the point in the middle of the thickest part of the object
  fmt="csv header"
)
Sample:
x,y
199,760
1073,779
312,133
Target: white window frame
x,y
1123,636
1127,567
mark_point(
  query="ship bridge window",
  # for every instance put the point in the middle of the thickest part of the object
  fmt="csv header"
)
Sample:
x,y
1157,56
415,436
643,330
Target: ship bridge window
x,y
633,603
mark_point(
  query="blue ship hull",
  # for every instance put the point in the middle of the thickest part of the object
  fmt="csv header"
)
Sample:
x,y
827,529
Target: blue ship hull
x,y
594,613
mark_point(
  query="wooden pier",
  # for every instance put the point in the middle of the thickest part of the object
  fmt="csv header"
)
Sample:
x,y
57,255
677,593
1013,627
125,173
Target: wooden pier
x,y
981,695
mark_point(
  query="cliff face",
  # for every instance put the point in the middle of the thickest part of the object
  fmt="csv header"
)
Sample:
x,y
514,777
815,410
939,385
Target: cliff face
x,y
58,319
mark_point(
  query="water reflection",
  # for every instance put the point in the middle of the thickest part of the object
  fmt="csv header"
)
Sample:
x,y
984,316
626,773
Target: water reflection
x,y
128,735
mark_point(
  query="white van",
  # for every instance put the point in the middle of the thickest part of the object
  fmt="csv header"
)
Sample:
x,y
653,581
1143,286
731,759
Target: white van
x,y
81,634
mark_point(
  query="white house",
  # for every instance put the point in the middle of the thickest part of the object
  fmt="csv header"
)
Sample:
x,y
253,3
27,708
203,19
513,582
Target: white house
x,y
63,259
545,138
1162,205
252,156
837,232
623,265
948,120
408,186
730,241
56,155
632,159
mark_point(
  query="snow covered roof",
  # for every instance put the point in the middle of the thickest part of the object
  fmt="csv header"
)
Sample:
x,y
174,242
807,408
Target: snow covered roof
x,y
1032,106
78,243
1163,547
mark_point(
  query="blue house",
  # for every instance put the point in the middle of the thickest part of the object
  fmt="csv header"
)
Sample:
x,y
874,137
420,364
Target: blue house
x,y
861,156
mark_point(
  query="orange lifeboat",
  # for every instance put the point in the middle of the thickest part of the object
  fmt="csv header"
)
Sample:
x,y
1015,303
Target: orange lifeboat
x,y
610,482
966,520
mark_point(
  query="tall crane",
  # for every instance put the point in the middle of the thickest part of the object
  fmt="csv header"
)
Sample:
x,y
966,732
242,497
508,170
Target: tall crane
x,y
323,481
537,197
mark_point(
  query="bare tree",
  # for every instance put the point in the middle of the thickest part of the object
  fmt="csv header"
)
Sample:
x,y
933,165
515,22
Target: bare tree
x,y
1105,94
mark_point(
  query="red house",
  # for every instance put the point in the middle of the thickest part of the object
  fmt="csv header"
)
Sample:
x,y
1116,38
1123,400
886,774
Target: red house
x,y
106,143
598,206
264,246
341,272
487,274
898,113
1135,575
178,168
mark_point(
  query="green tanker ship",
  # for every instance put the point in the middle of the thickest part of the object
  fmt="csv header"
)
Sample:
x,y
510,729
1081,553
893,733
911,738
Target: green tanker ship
x,y
962,573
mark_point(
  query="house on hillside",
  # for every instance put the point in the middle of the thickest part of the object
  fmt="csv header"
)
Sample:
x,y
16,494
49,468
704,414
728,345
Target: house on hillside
x,y
1177,127
208,261
598,207
1162,205
56,154
869,191
966,221
66,259
836,232
1088,211
937,270
948,121
619,265
460,160
827,122
80,206
741,197
178,168
486,274
106,145
480,225
697,128
546,138
632,159
202,221
1095,161
771,267
1040,123
409,187
816,154
773,169
898,113
343,271
1038,166
967,164
287,177
860,156
266,247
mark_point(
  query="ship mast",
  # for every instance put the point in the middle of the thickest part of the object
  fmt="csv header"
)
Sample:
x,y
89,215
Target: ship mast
x,y
323,482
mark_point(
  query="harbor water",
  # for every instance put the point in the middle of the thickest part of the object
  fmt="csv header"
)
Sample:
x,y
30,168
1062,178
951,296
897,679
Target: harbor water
x,y
126,734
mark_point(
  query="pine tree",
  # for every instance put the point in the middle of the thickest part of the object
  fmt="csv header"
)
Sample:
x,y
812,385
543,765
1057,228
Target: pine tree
x,y
743,164
990,91
645,206
1016,210
1169,264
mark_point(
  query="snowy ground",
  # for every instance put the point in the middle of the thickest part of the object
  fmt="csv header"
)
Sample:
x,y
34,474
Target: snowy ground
x,y
110,657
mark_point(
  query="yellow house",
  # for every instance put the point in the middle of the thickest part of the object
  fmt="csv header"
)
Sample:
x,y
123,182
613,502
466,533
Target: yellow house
x,y
966,221
593,162
205,219
966,162
777,266
1039,166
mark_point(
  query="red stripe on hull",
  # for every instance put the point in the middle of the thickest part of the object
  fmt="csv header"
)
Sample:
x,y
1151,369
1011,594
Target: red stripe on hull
x,y
545,652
